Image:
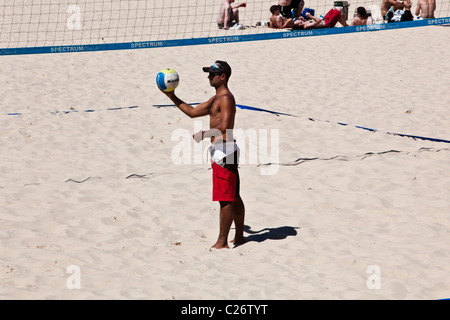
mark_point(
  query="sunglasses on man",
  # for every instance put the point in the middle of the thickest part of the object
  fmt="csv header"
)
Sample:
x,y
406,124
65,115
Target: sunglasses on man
x,y
213,74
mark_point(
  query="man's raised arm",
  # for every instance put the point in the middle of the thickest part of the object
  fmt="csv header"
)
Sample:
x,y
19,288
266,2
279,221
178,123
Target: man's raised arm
x,y
201,110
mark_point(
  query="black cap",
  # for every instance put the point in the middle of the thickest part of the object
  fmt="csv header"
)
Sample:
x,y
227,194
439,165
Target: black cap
x,y
219,67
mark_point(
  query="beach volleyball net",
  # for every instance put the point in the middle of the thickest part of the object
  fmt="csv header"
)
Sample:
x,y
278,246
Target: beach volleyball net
x,y
82,25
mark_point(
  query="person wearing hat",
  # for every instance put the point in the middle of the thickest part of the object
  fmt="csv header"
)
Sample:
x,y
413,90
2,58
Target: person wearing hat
x,y
221,109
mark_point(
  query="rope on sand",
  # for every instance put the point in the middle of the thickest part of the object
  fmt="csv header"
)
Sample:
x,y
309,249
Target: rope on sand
x,y
415,137
244,107
76,111
350,158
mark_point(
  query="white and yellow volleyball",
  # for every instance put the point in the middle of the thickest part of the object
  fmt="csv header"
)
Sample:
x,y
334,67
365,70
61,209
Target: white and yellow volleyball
x,y
167,80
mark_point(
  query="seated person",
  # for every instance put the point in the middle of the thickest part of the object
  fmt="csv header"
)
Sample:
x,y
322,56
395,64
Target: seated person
x,y
286,7
426,8
400,15
230,14
361,17
396,5
277,21
329,21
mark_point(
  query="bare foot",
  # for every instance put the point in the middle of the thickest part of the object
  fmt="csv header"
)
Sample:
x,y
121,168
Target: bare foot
x,y
218,247
238,241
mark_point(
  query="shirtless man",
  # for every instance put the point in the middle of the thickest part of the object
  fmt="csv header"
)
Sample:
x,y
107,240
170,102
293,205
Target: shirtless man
x,y
397,5
329,21
361,18
228,14
425,8
221,109
277,21
286,7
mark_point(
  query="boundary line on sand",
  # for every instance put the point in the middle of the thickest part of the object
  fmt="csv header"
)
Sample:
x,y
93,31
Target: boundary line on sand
x,y
222,39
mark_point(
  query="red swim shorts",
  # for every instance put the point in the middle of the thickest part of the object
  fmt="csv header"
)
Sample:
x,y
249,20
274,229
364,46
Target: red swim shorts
x,y
225,183
331,18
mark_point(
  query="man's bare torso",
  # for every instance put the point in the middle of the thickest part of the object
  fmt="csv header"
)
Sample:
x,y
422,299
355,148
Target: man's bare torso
x,y
284,3
279,21
358,21
426,8
215,113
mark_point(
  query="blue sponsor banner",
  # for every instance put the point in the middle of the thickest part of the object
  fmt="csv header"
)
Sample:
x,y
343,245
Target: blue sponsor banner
x,y
222,39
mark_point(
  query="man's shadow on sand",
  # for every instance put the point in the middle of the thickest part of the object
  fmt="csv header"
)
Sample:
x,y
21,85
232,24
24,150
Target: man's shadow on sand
x,y
279,233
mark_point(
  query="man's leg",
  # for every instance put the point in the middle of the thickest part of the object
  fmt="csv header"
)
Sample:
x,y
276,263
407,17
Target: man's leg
x,y
238,217
226,220
342,21
236,15
298,11
286,12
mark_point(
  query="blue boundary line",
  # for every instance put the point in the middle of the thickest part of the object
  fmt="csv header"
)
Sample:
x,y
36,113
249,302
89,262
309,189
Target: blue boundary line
x,y
76,111
313,119
240,106
387,132
252,109
222,39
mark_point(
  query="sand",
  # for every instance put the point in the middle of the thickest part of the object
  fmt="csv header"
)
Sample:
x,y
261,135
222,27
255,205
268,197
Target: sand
x,y
365,215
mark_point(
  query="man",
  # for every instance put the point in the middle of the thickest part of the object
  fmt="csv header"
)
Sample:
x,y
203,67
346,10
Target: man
x,y
277,21
426,8
329,21
286,7
229,15
221,109
361,18
396,5
401,15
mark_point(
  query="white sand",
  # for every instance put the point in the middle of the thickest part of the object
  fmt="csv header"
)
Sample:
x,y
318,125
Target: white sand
x,y
319,225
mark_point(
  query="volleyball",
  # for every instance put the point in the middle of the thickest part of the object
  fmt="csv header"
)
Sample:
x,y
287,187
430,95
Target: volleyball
x,y
167,80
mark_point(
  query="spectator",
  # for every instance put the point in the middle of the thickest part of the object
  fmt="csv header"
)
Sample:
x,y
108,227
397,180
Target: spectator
x,y
426,8
229,15
396,5
329,21
361,17
400,15
287,6
278,21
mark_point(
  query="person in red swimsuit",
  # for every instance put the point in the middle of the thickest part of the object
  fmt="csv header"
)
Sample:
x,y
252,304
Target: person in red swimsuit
x,y
221,109
329,21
